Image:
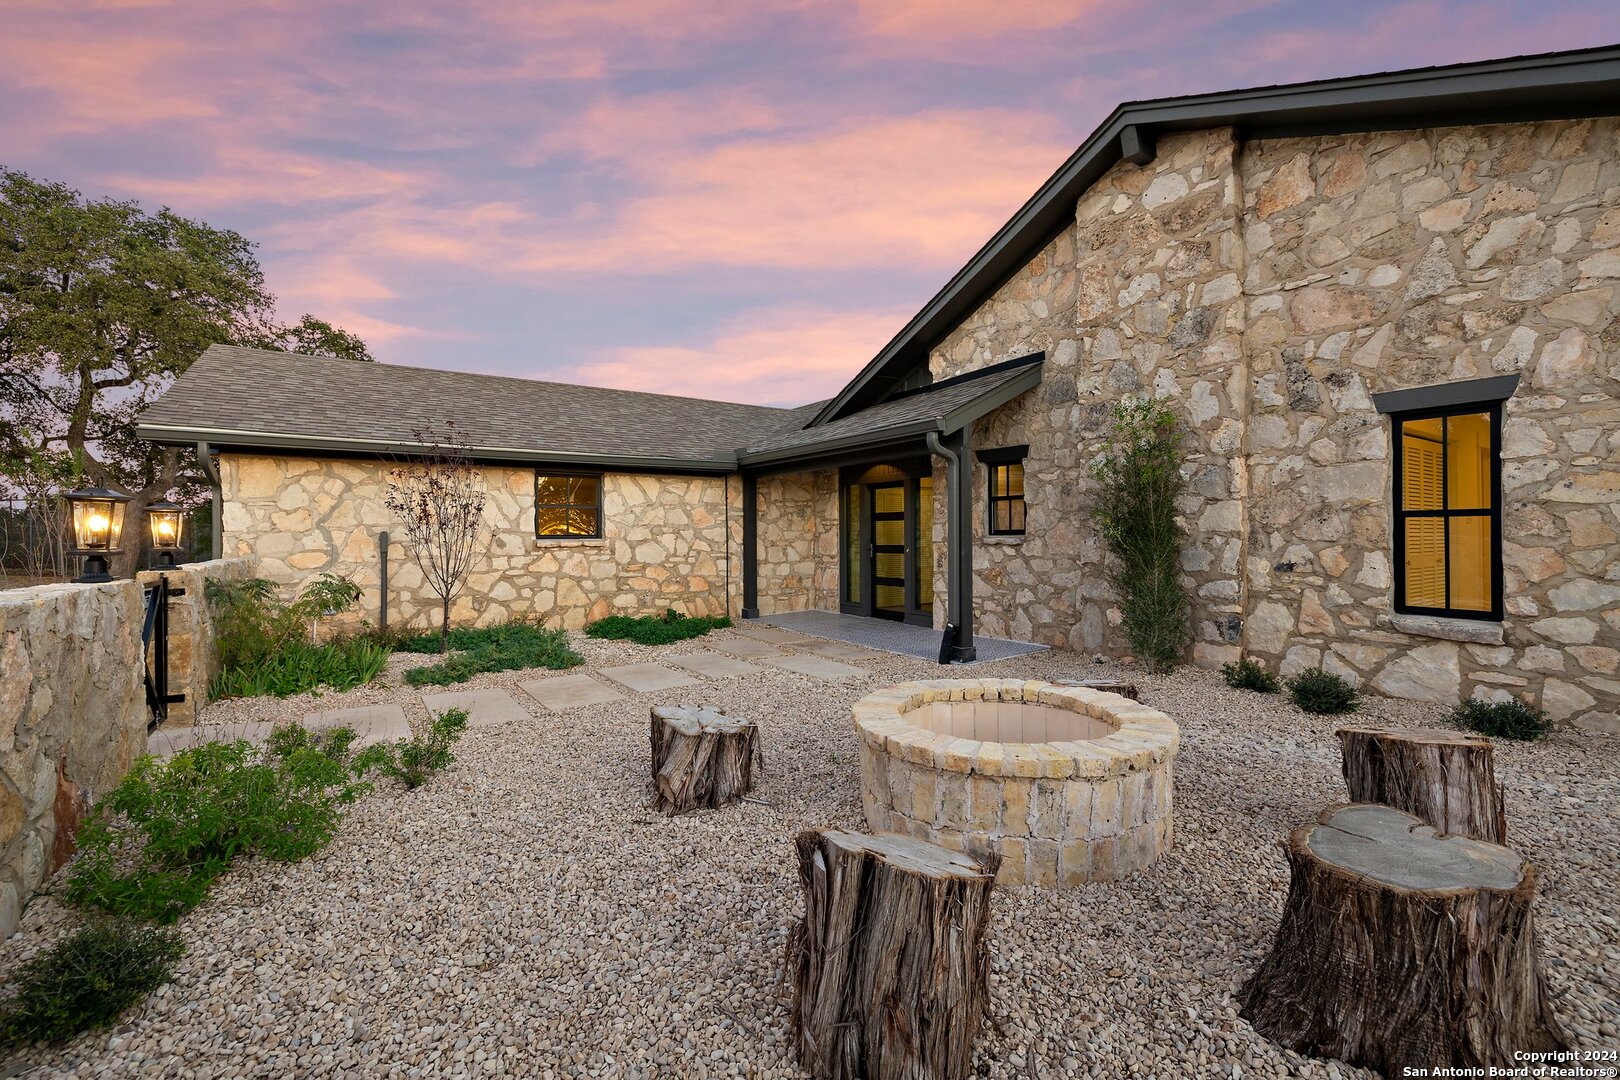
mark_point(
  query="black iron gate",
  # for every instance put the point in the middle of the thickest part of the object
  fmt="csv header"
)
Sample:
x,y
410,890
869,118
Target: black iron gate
x,y
155,650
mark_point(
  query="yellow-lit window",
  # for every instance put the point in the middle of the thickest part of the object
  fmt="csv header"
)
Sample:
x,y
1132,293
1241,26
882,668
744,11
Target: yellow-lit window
x,y
1447,518
1007,498
567,505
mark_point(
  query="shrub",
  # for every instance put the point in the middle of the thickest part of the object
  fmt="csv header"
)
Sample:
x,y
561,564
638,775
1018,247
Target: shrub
x,y
509,646
261,642
1318,691
155,843
86,980
1139,479
1502,719
1246,674
413,761
663,629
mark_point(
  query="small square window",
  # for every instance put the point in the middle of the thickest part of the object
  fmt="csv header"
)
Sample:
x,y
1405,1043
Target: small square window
x,y
567,506
1007,498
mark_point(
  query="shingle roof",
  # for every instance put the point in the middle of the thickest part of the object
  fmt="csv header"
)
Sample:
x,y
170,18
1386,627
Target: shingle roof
x,y
942,407
255,397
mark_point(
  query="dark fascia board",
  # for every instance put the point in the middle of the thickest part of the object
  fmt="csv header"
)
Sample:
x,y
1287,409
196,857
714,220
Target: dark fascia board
x,y
307,445
1025,380
1445,395
1554,86
1002,455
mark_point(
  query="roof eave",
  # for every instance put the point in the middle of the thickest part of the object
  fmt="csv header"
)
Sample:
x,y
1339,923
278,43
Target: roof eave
x,y
1026,380
167,435
1554,86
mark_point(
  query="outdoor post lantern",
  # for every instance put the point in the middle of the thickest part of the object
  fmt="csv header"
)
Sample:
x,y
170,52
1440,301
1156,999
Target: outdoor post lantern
x,y
98,526
166,520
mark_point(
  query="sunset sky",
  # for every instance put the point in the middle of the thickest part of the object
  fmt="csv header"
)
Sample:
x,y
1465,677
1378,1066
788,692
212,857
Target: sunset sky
x,y
732,199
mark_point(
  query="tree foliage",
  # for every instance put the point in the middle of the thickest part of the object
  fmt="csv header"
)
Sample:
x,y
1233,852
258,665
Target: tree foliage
x,y
102,304
439,495
1139,480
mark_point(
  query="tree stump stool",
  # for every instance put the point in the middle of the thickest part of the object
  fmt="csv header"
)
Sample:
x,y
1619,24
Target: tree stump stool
x,y
700,757
1107,686
890,964
1401,946
1447,778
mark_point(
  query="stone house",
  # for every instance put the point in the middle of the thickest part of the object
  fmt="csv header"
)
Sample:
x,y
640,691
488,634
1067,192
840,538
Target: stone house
x,y
1385,308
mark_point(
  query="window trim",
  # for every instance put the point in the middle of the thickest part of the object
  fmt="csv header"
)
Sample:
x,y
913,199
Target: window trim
x,y
1494,513
1000,458
570,474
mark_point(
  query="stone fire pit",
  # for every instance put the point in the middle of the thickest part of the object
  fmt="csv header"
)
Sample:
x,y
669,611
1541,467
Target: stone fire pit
x,y
1068,784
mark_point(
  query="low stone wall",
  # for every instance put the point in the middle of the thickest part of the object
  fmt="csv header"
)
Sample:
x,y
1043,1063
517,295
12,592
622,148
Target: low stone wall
x,y
73,708
193,660
1074,786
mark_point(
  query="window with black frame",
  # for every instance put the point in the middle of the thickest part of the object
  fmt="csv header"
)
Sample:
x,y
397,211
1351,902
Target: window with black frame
x,y
567,506
1006,497
1448,519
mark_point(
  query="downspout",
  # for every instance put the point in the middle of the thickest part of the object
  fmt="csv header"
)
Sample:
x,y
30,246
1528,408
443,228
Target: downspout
x,y
217,540
961,643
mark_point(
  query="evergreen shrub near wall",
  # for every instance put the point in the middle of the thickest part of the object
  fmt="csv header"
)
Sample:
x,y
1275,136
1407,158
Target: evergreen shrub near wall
x,y
1139,480
663,629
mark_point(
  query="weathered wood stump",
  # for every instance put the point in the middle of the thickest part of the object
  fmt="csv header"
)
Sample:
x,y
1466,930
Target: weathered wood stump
x,y
1447,778
890,965
700,757
1107,686
1401,946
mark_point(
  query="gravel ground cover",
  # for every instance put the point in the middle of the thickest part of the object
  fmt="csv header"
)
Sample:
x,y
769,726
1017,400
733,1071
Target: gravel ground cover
x,y
526,915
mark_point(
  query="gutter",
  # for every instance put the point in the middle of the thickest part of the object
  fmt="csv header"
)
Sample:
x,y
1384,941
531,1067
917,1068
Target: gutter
x,y
216,539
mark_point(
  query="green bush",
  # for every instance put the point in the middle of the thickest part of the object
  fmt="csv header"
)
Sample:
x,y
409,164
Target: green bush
x,y
1139,480
1246,674
264,644
86,980
1502,719
413,761
510,646
155,843
1318,691
663,629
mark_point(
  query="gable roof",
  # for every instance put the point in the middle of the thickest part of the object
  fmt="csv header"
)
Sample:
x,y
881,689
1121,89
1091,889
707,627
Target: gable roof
x,y
942,407
1552,86
252,398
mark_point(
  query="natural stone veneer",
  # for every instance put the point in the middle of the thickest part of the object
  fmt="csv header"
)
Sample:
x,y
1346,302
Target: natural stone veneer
x,y
667,542
1268,288
1089,801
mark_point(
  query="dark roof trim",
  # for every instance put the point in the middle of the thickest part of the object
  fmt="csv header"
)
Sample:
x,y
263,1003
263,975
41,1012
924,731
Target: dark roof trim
x,y
1445,395
1003,455
276,442
1549,87
916,429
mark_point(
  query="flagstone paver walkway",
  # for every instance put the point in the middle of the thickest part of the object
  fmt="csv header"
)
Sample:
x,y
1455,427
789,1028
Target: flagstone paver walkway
x,y
570,692
839,650
646,677
818,667
747,648
373,723
713,665
773,635
485,708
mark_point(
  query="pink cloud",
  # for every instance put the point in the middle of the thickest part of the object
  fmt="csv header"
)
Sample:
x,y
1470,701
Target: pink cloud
x,y
784,356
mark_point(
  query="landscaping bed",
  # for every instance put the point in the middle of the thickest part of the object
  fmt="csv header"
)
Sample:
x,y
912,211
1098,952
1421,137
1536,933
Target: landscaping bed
x,y
526,912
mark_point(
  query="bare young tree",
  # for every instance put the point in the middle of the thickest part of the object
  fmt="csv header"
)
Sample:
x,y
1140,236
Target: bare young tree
x,y
438,494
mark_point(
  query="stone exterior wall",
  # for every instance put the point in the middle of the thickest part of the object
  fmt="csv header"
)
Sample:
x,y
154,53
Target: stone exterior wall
x,y
666,542
73,709
193,659
798,542
1269,288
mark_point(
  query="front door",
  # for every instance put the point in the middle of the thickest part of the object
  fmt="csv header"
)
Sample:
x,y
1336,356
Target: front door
x,y
888,550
